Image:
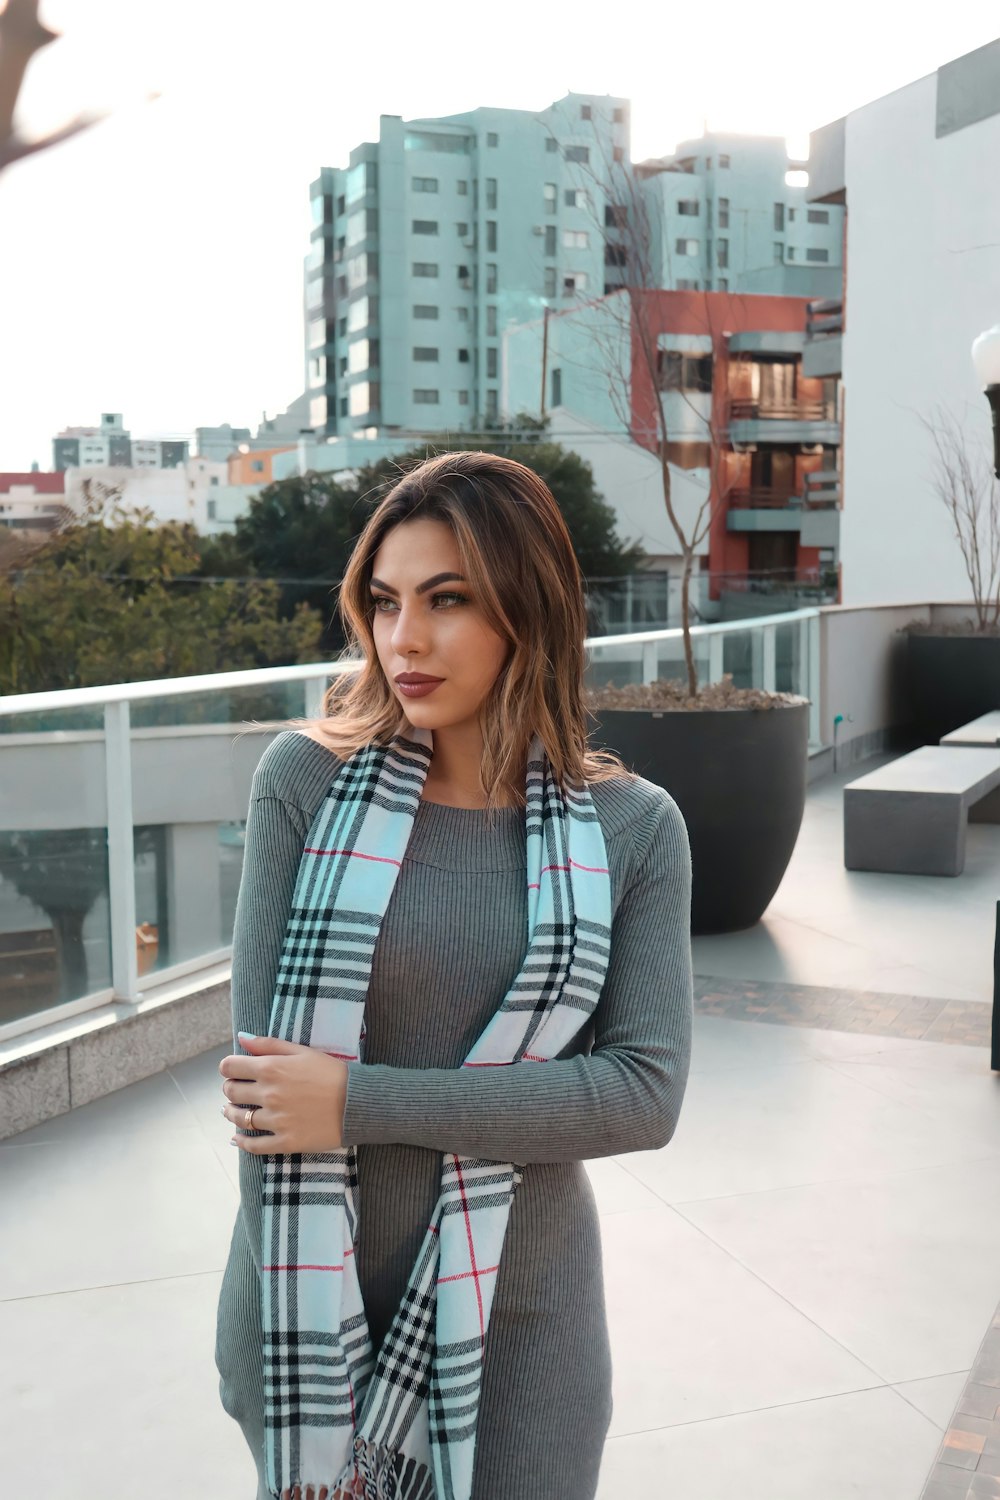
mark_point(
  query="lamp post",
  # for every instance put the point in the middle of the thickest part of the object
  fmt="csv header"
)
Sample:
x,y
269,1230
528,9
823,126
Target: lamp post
x,y
986,358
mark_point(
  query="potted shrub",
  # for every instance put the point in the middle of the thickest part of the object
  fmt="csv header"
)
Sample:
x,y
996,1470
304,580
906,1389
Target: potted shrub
x,y
953,667
734,760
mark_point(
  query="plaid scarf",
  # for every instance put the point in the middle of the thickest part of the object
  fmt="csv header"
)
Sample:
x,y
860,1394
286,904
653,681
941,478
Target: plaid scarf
x,y
404,1427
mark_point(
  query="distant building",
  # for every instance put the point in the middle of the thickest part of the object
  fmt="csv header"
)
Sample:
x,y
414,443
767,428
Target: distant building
x,y
281,430
922,281
436,237
184,493
724,218
255,466
724,363
111,446
32,502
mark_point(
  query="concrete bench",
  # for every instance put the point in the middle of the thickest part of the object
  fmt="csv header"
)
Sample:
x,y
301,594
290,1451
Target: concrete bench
x,y
982,731
910,816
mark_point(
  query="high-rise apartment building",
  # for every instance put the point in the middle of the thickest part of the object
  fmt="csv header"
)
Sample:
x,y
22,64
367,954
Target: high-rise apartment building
x,y
732,213
437,237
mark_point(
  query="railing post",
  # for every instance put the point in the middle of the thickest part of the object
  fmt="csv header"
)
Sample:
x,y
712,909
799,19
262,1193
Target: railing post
x,y
315,691
649,661
121,850
815,683
769,665
715,656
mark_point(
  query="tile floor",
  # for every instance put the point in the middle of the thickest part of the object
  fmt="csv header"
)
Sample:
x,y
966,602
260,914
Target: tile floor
x,y
823,1230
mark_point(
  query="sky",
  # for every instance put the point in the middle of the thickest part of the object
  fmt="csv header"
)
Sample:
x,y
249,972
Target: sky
x,y
153,265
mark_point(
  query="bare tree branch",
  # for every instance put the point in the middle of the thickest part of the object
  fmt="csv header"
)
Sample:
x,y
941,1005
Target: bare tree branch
x,y
962,478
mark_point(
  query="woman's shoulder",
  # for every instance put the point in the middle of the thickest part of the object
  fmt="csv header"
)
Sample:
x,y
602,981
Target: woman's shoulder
x,y
295,766
638,812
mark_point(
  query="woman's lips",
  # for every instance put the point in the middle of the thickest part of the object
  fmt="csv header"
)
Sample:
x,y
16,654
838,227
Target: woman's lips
x,y
417,689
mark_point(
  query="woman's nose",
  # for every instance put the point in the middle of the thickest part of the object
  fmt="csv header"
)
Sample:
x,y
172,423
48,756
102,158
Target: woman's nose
x,y
409,631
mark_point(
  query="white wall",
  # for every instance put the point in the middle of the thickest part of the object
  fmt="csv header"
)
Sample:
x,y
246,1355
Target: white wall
x,y
178,494
923,279
628,478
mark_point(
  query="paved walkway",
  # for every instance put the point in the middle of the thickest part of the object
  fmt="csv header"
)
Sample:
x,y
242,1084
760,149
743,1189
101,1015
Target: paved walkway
x,y
822,1233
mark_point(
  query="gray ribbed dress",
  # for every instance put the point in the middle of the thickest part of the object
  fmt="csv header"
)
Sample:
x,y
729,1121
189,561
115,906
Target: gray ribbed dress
x,y
451,943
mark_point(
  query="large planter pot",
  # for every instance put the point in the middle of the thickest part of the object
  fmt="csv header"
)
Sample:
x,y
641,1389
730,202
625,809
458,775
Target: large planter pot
x,y
739,778
950,680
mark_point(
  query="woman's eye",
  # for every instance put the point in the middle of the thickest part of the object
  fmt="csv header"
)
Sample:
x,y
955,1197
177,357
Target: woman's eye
x,y
384,599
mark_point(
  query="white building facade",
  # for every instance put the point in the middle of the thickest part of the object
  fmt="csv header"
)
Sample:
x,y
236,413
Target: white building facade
x,y
922,281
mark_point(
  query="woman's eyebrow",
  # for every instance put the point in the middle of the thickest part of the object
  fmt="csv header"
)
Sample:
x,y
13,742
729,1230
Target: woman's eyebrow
x,y
421,588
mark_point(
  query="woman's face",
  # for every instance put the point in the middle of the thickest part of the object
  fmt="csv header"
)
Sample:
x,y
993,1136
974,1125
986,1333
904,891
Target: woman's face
x,y
427,622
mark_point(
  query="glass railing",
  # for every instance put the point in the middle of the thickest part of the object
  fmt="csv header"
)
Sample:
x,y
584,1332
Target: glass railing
x,y
122,808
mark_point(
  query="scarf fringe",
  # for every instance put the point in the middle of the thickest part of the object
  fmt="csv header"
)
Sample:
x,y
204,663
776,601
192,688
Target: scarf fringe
x,y
386,1474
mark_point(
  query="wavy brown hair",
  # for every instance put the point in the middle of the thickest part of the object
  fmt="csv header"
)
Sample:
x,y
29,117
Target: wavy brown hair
x,y
517,554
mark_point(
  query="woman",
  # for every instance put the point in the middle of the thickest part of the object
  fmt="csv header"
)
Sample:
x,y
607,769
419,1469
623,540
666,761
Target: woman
x,y
461,967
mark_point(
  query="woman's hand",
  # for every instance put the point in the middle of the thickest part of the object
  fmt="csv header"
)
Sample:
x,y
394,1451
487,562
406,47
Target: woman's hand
x,y
301,1092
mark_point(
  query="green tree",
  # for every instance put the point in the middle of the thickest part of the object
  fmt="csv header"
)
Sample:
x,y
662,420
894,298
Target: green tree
x,y
301,531
115,598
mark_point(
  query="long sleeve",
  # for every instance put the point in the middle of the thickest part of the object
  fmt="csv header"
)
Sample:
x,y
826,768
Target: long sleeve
x,y
624,1096
272,850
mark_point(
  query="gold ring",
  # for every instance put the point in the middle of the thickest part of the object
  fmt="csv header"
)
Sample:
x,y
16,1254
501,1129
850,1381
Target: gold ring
x,y
248,1117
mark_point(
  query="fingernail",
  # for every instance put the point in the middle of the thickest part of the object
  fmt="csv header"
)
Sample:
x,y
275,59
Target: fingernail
x,y
246,1036
233,1141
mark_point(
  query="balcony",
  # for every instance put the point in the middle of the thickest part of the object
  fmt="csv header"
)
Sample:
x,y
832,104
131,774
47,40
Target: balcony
x,y
835,1165
814,513
808,422
823,354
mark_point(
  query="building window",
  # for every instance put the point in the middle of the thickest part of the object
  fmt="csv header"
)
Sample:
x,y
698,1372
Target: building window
x,y
723,283
616,255
722,254
491,364
818,216
551,197
779,251
425,268
341,327
723,160
576,239
214,479
465,278
463,356
491,321
676,371
491,279
463,188
578,153
492,138
424,397
257,466
573,282
462,313
211,509
779,216
615,216
689,206
424,310
463,231
549,288
424,184
723,213
341,204
491,192
557,387
684,284
686,247
822,255
343,406
791,216
425,353
790,253
463,398
425,226
551,144
550,239
492,405
491,236
585,112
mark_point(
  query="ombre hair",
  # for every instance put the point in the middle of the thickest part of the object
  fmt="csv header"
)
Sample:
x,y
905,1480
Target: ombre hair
x,y
517,555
